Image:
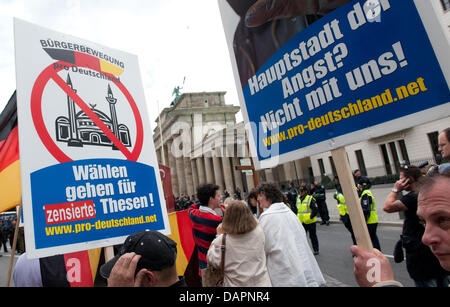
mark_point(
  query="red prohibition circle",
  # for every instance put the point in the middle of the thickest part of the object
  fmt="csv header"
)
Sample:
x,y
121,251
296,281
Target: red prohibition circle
x,y
51,73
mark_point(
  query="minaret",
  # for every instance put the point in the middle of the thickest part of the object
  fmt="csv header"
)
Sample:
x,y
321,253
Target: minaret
x,y
74,141
112,107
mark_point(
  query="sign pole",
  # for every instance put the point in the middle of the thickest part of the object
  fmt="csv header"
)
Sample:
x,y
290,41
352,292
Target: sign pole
x,y
109,253
352,200
13,249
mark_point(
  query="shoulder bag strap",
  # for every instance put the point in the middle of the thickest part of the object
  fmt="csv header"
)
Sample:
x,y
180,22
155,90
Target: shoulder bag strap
x,y
222,262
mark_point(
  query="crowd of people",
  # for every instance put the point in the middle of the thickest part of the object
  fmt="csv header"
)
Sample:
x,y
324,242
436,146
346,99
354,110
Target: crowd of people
x,y
266,241
266,237
7,228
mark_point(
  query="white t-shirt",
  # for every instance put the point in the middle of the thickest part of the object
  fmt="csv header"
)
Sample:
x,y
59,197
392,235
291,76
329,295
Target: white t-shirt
x,y
27,272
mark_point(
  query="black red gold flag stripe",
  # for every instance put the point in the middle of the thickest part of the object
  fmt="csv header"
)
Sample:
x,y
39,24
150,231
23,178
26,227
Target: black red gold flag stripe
x,y
83,60
10,189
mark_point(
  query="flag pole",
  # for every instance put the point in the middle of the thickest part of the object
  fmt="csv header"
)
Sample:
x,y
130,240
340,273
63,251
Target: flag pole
x,y
13,250
163,155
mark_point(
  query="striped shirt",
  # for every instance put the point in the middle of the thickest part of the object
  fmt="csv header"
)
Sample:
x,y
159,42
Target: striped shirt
x,y
204,226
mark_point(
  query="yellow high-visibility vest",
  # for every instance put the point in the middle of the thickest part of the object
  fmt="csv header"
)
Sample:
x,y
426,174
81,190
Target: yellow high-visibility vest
x,y
373,218
342,206
304,210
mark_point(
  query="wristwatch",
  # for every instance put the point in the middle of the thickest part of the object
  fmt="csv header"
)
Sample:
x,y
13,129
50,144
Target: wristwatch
x,y
394,190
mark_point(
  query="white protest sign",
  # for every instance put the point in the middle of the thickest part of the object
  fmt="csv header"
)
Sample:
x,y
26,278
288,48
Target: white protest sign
x,y
89,171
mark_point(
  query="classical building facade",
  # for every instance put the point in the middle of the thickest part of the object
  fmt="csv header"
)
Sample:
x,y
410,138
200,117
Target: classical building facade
x,y
181,139
199,139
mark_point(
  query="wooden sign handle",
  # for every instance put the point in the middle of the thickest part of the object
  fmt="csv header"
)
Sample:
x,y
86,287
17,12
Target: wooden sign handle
x,y
13,249
109,253
351,199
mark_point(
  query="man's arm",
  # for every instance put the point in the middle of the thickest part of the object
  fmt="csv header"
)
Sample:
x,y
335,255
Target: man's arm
x,y
391,204
314,209
365,204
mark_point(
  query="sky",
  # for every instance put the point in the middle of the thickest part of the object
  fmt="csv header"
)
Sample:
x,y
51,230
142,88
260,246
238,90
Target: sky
x,y
173,39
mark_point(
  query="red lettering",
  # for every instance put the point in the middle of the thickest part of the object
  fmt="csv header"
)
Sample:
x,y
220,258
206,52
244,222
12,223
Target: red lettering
x,y
69,212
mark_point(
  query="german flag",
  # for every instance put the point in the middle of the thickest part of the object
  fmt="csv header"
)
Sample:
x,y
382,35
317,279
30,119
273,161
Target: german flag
x,y
82,59
10,190
181,227
70,270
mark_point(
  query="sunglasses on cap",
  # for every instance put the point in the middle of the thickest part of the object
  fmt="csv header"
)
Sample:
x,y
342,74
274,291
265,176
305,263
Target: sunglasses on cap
x,y
439,169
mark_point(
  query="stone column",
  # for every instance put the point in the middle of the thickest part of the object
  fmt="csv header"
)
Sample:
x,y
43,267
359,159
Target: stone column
x,y
237,175
228,175
209,170
269,175
173,170
195,175
218,175
289,170
159,156
188,176
250,182
201,171
166,154
181,176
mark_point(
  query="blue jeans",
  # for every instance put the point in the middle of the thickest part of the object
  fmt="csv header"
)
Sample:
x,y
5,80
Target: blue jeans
x,y
440,282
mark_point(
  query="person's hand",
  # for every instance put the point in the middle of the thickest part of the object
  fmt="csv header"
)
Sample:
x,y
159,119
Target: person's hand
x,y
371,268
266,10
219,229
402,184
224,208
122,274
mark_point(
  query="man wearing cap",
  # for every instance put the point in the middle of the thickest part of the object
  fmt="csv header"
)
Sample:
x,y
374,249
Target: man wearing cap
x,y
146,259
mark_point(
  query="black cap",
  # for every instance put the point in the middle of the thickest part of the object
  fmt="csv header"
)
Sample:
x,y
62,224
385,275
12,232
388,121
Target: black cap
x,y
158,252
303,188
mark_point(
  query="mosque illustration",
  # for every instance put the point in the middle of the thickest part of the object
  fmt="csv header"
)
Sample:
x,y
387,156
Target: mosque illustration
x,y
78,129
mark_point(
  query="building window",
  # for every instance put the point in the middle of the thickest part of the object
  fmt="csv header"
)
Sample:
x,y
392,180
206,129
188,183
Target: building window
x,y
446,4
333,167
361,163
394,153
434,143
311,174
404,151
322,167
387,163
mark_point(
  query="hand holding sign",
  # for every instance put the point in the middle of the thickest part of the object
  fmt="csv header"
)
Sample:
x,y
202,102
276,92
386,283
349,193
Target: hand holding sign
x,y
267,10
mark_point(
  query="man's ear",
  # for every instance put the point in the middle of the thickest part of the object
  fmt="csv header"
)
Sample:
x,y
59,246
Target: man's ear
x,y
146,278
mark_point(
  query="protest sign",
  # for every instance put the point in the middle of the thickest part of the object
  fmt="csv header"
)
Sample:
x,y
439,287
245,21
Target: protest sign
x,y
89,170
366,69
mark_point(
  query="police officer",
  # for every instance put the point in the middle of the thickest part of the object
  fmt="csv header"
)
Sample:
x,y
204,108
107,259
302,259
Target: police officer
x,y
292,197
343,211
306,212
370,211
318,192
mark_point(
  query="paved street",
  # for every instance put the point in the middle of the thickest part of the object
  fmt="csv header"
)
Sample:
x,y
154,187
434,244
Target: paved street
x,y
4,267
335,259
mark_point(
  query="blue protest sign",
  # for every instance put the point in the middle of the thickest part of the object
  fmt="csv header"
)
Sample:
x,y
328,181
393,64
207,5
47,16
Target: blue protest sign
x,y
366,69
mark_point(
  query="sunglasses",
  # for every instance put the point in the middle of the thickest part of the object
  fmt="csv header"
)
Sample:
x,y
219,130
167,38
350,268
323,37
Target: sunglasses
x,y
439,169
